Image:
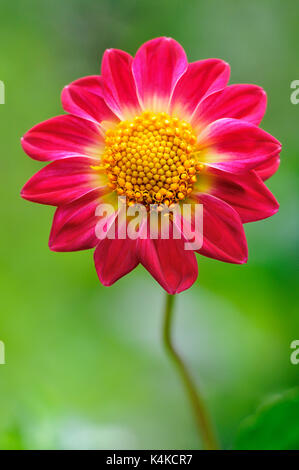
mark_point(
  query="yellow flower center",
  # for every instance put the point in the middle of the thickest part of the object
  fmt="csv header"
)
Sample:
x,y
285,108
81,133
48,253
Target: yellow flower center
x,y
149,159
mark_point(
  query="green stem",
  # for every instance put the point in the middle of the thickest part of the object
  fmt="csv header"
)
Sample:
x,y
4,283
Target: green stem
x,y
200,413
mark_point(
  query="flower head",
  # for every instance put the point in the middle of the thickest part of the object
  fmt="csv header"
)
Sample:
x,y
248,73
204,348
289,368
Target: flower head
x,y
155,130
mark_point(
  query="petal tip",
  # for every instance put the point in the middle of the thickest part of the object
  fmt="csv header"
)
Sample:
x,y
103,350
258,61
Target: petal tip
x,y
275,209
56,247
24,192
51,245
105,282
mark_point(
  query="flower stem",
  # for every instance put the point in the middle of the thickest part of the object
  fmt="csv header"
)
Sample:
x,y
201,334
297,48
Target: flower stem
x,y
200,413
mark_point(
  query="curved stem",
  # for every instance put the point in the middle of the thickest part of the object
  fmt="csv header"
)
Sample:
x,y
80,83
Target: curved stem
x,y
200,413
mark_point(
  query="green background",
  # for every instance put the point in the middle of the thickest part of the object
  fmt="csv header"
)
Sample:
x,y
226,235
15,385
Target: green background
x,y
85,367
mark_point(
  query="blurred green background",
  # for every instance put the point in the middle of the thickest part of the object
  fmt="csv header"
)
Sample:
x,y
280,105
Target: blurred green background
x,y
85,367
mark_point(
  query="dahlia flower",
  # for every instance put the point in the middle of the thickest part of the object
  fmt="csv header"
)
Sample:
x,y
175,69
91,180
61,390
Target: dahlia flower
x,y
155,129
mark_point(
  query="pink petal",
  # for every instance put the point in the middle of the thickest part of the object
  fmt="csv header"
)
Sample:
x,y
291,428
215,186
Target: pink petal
x,y
223,233
114,259
63,180
201,78
84,98
267,169
234,146
173,267
74,224
118,84
63,136
246,193
247,102
157,67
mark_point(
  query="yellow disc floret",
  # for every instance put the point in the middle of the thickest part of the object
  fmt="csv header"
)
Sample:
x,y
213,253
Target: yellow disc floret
x,y
149,159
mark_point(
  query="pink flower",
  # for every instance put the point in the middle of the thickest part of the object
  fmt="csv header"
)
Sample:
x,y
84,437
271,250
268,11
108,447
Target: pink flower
x,y
155,129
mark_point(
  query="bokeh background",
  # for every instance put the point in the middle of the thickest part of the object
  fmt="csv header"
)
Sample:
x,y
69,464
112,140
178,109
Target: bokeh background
x,y
85,367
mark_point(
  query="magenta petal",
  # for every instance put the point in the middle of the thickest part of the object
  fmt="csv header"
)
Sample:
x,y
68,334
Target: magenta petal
x,y
246,193
201,78
173,267
247,102
267,169
114,259
118,83
223,233
62,181
157,67
84,98
63,136
234,146
74,224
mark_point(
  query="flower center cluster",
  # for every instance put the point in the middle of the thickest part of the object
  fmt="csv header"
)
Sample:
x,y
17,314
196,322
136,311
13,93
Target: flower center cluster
x,y
149,159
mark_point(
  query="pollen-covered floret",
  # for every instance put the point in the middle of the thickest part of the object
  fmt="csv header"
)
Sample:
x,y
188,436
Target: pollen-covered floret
x,y
151,159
